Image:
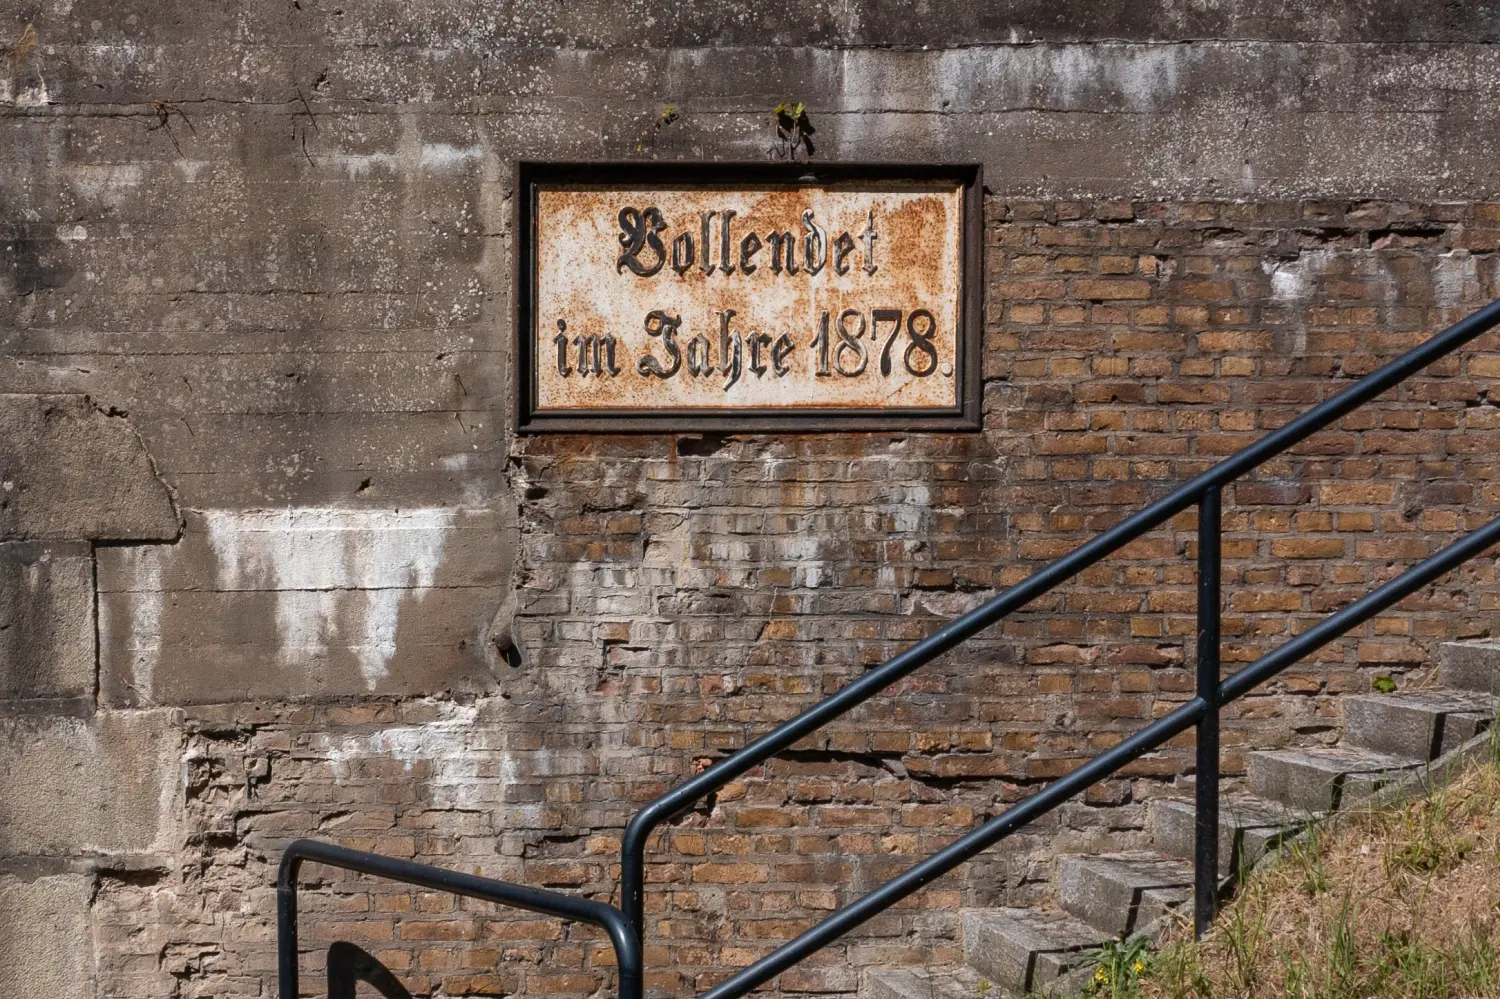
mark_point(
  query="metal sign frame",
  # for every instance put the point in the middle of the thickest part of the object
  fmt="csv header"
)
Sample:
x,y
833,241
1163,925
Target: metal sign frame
x,y
968,338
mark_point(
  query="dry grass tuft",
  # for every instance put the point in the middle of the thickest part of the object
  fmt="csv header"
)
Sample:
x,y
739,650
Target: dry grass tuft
x,y
1398,902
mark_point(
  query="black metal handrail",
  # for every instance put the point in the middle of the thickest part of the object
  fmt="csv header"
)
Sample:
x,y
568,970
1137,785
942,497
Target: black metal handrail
x,y
1204,489
1101,767
626,925
622,935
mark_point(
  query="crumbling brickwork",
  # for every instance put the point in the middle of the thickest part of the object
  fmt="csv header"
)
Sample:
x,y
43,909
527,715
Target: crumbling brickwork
x,y
273,563
707,586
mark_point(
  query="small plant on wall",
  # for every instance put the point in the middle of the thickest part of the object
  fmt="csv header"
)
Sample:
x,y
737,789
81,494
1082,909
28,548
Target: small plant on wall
x,y
667,117
793,131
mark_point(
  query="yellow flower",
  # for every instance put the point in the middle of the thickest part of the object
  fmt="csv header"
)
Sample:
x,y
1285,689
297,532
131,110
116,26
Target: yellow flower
x,y
1138,967
1101,976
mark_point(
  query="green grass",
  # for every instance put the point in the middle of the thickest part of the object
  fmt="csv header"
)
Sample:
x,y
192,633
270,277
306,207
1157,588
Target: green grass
x,y
1400,902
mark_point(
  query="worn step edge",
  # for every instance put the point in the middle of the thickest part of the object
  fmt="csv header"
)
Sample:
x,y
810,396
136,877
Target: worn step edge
x,y
1419,724
1323,780
914,983
1071,983
1248,829
1110,891
1023,949
1439,773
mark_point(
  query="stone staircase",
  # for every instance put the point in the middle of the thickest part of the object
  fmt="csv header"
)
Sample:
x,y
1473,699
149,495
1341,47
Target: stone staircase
x,y
1387,738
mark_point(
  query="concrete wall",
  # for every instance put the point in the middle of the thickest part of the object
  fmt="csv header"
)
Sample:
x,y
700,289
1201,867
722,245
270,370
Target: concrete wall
x,y
272,563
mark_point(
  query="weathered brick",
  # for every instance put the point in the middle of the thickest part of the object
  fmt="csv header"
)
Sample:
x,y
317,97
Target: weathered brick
x,y
1307,547
729,874
1105,290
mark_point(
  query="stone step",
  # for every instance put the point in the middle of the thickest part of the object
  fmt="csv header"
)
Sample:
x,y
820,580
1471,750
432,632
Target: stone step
x,y
1471,666
1118,894
1323,780
1422,725
930,983
1248,828
1024,949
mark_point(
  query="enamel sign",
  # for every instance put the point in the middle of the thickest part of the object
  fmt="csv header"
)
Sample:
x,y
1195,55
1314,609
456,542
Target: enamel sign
x,y
681,297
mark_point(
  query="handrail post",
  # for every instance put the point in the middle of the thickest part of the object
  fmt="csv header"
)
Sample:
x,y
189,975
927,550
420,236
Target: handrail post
x,y
1206,812
633,873
286,925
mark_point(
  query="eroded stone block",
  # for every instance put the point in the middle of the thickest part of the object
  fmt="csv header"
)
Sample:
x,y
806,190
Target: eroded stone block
x,y
69,471
45,951
304,602
73,786
46,620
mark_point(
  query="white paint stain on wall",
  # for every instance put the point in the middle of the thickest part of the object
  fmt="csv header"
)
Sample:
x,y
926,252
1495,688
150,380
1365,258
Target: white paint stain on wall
x,y
32,96
333,572
1292,280
104,181
190,169
443,743
1139,77
908,515
444,157
143,621
1456,272
358,166
470,764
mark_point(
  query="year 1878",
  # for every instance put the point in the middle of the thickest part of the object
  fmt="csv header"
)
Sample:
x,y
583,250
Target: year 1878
x,y
845,344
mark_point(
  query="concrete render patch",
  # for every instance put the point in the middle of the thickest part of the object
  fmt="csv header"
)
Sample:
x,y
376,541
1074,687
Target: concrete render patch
x,y
462,25
45,951
46,620
70,472
1192,152
75,786
1085,77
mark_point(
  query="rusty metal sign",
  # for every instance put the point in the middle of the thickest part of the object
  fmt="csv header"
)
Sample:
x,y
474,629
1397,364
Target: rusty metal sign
x,y
747,297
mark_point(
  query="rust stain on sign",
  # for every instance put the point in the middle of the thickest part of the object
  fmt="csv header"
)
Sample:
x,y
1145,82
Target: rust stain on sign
x,y
766,298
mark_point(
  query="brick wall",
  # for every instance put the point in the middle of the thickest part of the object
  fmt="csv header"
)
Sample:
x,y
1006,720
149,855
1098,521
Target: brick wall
x,y
691,591
681,594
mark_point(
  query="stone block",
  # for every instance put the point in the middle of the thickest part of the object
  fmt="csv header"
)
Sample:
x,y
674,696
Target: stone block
x,y
46,950
899,985
46,620
78,786
1321,780
68,472
1023,949
1248,827
304,603
1421,725
1155,904
923,984
1471,666
1108,892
